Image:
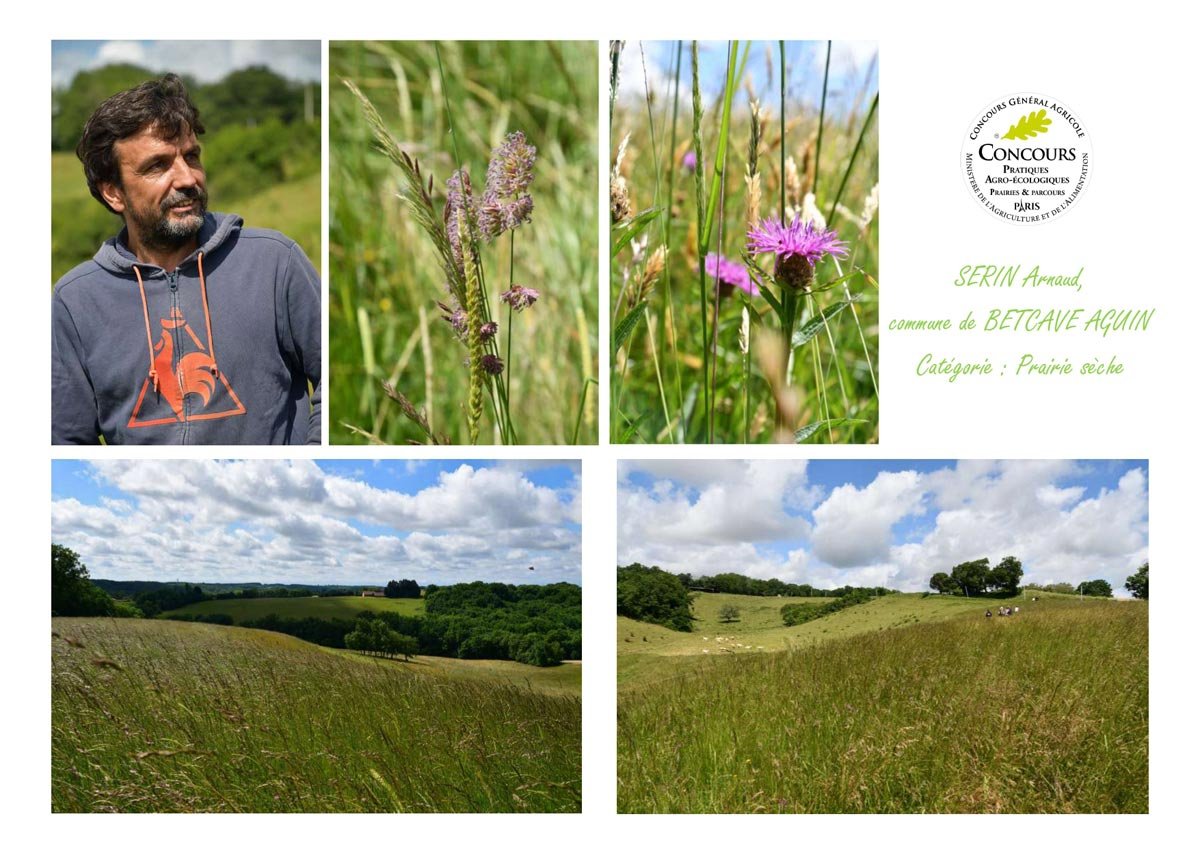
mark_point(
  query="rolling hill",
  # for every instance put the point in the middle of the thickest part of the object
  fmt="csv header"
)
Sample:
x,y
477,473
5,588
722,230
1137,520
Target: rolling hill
x,y
149,715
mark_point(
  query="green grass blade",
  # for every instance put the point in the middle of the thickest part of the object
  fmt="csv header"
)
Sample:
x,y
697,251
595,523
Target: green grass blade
x,y
626,326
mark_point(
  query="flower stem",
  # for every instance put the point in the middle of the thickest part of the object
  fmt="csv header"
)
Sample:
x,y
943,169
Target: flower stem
x,y
508,360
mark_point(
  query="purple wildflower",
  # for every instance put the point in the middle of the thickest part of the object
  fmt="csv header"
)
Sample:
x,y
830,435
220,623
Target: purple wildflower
x,y
506,203
511,170
797,247
488,330
492,364
519,297
689,161
727,274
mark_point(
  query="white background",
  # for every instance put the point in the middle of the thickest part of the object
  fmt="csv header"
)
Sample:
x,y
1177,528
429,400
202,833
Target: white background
x,y
1130,77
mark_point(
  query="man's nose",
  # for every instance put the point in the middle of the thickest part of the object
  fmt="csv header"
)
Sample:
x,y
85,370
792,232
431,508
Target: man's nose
x,y
183,176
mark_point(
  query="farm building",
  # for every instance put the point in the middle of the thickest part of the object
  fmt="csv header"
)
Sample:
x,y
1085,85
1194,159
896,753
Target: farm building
x,y
372,594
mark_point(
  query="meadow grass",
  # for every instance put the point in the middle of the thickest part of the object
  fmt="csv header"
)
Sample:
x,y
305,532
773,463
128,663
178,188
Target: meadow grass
x,y
79,224
171,716
1044,712
684,368
385,277
332,607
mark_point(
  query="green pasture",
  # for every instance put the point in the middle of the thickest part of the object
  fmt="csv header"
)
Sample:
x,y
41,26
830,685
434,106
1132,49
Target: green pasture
x,y
331,607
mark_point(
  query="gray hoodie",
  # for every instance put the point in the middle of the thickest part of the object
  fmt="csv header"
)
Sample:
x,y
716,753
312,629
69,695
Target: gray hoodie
x,y
220,351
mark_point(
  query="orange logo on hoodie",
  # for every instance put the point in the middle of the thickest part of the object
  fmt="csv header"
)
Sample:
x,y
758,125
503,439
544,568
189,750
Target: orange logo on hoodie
x,y
189,371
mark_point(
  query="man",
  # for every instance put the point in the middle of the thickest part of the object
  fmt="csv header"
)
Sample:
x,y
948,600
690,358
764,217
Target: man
x,y
186,327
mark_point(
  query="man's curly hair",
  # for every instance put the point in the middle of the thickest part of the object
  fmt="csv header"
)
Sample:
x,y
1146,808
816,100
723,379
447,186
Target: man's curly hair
x,y
163,104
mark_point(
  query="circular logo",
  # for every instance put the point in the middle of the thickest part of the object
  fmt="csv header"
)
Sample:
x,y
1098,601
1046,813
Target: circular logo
x,y
1027,158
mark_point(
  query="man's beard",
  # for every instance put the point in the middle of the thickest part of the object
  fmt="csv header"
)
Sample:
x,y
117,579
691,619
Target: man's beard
x,y
158,229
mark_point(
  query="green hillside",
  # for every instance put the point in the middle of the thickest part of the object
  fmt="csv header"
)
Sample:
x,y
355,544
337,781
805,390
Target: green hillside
x,y
902,704
149,715
331,607
641,646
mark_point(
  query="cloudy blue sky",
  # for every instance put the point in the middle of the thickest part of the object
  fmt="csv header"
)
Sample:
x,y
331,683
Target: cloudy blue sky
x,y
853,73
348,522
206,61
895,523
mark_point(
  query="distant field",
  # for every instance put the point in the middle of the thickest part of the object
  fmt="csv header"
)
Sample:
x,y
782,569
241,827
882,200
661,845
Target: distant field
x,y
333,607
903,704
148,715
760,626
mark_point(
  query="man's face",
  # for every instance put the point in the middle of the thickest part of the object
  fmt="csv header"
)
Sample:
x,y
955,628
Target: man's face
x,y
162,195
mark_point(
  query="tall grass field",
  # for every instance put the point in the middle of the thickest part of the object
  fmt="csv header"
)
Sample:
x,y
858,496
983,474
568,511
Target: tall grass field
x,y
719,336
1043,712
400,372
150,715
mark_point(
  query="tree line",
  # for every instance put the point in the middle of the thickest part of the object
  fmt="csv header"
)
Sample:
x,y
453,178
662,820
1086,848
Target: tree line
x,y
154,598
977,578
534,624
735,584
537,625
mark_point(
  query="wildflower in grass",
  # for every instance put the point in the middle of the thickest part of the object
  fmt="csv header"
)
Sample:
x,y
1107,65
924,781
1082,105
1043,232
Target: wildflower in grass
x,y
506,203
689,161
520,297
797,248
728,275
488,330
492,364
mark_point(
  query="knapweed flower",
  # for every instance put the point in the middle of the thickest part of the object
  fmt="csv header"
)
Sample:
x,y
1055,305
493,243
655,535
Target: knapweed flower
x,y
797,247
492,364
727,274
689,161
519,297
488,330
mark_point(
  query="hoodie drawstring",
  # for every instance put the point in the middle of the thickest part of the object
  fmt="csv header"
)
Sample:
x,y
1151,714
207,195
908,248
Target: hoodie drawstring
x,y
212,352
153,375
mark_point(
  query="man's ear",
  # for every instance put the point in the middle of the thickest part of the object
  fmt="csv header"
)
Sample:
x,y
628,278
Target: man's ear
x,y
113,195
